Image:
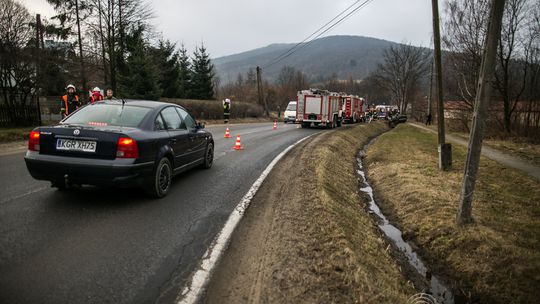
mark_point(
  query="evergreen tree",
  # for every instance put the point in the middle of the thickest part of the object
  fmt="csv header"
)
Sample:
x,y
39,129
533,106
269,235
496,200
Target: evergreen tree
x,y
167,64
139,78
184,76
202,75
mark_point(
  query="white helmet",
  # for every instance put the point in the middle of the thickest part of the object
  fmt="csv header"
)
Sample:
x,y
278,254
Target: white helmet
x,y
96,89
70,86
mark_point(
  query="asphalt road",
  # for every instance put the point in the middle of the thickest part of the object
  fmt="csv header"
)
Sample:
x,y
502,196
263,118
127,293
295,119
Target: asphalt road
x,y
108,245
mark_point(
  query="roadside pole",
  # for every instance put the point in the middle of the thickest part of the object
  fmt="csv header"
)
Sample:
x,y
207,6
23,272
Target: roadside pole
x,y
430,98
483,95
262,100
445,150
39,37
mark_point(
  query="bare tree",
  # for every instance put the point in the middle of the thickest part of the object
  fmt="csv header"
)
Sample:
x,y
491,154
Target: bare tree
x,y
511,73
464,31
401,72
17,68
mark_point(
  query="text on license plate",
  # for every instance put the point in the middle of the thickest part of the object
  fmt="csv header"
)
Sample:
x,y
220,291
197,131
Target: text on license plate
x,y
76,145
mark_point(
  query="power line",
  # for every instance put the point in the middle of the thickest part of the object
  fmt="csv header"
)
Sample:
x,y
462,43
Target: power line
x,y
320,28
301,44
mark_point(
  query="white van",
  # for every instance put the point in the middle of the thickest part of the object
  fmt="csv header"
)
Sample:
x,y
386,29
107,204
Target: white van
x,y
290,112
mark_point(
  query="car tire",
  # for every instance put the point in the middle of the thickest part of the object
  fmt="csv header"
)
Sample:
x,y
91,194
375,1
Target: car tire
x,y
305,125
208,156
160,182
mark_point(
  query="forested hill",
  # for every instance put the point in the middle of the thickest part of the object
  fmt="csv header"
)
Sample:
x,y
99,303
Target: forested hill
x,y
346,56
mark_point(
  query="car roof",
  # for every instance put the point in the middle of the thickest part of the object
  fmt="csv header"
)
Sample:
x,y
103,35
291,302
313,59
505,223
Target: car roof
x,y
141,103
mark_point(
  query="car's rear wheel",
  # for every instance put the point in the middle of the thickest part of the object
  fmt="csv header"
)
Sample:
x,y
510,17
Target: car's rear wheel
x,y
160,183
209,156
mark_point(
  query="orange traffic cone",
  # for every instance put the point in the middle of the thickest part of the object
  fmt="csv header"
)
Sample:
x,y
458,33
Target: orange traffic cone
x,y
227,133
275,125
238,145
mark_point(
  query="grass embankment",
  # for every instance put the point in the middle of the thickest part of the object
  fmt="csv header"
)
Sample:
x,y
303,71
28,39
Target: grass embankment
x,y
352,233
14,134
494,260
306,238
515,146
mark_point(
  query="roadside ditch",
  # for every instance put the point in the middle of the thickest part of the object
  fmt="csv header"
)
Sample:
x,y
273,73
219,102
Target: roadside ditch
x,y
306,239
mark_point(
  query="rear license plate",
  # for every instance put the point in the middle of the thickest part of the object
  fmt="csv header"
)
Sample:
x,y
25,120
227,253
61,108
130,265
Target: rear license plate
x,y
75,145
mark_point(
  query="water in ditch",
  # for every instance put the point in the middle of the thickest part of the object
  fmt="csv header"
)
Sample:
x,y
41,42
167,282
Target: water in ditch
x,y
437,288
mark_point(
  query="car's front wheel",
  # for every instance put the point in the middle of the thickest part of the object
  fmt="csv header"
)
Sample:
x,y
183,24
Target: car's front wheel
x,y
209,156
160,183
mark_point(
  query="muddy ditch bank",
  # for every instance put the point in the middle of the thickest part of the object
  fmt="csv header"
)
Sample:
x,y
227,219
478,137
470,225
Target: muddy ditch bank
x,y
307,238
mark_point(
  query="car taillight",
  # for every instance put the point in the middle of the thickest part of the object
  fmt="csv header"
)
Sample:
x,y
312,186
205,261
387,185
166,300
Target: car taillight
x,y
127,148
33,141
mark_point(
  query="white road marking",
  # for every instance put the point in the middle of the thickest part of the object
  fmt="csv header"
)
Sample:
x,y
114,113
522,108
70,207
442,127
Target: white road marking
x,y
192,292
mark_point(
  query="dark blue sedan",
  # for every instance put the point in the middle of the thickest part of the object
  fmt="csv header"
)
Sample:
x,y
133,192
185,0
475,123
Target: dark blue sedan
x,y
122,143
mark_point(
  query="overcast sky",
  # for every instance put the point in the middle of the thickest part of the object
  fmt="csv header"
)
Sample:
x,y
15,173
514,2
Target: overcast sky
x,y
232,26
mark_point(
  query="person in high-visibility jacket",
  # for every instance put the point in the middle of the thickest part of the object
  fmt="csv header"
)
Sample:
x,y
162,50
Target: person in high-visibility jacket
x,y
96,95
226,110
70,102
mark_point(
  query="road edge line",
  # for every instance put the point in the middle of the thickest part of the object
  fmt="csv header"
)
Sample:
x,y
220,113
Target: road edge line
x,y
192,292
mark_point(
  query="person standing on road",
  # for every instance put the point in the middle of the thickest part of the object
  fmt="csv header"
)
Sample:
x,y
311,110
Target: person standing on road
x,y
428,119
96,95
226,110
70,101
109,94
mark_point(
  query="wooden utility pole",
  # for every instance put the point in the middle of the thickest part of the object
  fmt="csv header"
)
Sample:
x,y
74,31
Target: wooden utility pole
x,y
262,100
39,38
445,150
102,43
430,97
483,95
83,72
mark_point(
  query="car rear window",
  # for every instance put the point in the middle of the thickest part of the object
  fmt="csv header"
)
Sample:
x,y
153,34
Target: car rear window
x,y
108,115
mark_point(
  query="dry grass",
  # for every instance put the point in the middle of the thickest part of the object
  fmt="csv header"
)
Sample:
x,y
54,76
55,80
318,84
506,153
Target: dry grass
x,y
515,146
495,260
347,234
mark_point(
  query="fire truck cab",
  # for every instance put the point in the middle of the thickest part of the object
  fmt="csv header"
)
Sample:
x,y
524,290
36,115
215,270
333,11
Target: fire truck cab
x,y
353,109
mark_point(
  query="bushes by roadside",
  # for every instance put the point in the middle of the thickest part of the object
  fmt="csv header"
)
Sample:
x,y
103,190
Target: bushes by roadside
x,y
213,109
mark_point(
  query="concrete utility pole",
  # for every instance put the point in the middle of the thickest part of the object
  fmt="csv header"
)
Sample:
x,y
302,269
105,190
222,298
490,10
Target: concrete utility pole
x,y
262,101
445,150
487,74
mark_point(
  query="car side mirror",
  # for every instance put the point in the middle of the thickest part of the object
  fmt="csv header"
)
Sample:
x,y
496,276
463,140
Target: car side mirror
x,y
200,125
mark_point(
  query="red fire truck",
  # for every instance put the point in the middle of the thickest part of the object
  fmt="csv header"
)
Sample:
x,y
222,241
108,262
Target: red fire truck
x,y
319,107
353,109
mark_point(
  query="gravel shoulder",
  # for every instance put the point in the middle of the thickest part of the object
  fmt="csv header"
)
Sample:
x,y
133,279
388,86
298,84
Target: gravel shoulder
x,y
306,237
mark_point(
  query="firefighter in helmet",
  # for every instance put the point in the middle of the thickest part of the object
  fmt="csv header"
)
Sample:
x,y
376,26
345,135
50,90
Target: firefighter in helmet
x,y
226,110
70,102
96,95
